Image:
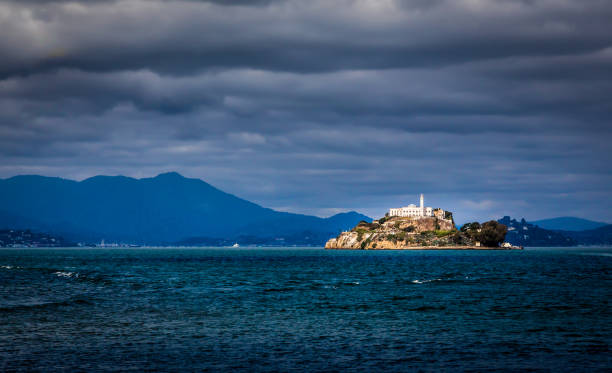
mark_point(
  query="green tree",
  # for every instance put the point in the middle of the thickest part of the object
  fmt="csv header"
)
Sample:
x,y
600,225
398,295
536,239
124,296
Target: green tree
x,y
470,227
492,233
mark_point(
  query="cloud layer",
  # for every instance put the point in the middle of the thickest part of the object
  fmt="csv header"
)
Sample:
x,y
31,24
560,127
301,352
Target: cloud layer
x,y
489,107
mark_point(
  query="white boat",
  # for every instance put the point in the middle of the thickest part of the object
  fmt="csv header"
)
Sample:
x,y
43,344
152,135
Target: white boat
x,y
236,245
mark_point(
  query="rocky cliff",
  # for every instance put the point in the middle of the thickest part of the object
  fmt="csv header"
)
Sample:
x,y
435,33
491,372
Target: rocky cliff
x,y
401,232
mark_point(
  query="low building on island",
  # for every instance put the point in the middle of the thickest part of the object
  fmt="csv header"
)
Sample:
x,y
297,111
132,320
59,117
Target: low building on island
x,y
412,210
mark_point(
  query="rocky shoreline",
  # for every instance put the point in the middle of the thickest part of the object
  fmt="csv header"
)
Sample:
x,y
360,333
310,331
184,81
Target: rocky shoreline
x,y
421,233
436,248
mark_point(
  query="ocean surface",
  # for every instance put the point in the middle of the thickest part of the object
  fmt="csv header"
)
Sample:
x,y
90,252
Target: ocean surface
x,y
253,309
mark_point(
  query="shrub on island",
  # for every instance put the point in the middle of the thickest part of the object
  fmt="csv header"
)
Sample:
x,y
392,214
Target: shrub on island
x,y
489,234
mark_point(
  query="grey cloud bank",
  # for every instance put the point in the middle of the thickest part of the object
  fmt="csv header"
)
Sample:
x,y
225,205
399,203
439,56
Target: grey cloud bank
x,y
488,107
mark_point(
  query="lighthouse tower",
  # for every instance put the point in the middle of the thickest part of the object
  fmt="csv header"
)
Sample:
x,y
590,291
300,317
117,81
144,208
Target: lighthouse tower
x,y
422,205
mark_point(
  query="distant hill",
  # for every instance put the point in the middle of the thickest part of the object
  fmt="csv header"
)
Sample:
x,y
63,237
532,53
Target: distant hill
x,y
568,223
591,237
27,238
164,209
522,233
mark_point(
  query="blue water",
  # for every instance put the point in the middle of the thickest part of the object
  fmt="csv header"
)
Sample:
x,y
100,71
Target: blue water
x,y
305,309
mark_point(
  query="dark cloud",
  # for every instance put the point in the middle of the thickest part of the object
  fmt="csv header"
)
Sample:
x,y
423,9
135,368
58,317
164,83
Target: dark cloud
x,y
489,107
180,37
219,2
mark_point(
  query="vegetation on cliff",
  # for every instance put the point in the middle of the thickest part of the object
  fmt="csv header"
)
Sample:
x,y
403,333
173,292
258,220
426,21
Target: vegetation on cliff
x,y
489,234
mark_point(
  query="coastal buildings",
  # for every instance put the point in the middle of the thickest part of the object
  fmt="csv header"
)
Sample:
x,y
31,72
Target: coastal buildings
x,y
413,210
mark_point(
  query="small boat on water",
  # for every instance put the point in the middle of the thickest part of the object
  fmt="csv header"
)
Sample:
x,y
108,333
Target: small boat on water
x,y
236,245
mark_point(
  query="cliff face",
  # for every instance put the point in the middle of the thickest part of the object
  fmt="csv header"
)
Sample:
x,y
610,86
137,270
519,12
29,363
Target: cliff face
x,y
402,233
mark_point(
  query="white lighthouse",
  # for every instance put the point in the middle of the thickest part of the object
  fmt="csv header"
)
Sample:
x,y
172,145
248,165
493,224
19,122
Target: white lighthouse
x,y
413,210
422,205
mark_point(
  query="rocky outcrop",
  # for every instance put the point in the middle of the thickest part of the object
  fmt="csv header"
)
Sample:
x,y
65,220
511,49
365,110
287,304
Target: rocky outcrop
x,y
396,233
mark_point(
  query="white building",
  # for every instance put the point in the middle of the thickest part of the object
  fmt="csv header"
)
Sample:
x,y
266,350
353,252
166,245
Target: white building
x,y
412,210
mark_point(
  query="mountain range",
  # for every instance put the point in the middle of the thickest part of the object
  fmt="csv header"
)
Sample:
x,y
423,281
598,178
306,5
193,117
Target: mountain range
x,y
165,209
601,236
568,223
522,233
171,209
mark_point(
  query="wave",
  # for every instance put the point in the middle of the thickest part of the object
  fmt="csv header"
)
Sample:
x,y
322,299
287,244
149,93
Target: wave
x,y
452,279
425,281
53,271
407,297
65,274
271,290
40,305
427,308
87,276
312,286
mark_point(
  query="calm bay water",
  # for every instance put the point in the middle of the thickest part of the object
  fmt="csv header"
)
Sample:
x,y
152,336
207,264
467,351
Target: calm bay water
x,y
305,309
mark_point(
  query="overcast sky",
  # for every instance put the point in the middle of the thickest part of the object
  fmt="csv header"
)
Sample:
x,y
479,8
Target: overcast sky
x,y
490,108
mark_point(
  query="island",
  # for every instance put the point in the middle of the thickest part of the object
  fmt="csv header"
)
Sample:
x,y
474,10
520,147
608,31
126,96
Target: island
x,y
419,227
